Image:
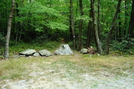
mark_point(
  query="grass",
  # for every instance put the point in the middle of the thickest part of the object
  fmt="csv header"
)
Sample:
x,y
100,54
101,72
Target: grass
x,y
112,63
71,66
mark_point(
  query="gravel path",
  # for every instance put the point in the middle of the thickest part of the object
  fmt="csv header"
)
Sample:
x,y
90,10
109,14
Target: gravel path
x,y
60,73
66,81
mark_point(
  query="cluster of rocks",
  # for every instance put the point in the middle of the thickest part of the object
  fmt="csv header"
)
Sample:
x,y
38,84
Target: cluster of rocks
x,y
84,51
64,49
90,50
32,52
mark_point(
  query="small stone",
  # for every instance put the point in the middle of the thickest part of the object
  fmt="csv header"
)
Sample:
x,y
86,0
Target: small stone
x,y
36,54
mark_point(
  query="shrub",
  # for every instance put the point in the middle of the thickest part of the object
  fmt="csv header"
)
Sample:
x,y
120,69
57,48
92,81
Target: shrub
x,y
125,46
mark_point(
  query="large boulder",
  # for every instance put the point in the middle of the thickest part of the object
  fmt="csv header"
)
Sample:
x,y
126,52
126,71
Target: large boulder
x,y
45,53
28,52
64,49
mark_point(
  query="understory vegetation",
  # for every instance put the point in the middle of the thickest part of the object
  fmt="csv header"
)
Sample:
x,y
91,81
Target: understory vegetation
x,y
117,48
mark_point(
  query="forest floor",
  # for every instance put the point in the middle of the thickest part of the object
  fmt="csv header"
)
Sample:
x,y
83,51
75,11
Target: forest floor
x,y
68,72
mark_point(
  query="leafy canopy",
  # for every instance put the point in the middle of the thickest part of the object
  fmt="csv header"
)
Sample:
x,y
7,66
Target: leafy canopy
x,y
41,16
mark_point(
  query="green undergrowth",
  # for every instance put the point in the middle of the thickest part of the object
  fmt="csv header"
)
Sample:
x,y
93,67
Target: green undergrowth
x,y
71,66
14,49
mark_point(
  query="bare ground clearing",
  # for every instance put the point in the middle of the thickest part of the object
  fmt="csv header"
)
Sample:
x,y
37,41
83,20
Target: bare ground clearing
x,y
70,72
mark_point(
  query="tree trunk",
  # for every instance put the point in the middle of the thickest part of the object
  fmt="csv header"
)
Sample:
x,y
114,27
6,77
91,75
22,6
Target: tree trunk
x,y
98,20
126,18
131,24
80,26
119,26
90,27
17,30
6,55
95,29
72,23
112,27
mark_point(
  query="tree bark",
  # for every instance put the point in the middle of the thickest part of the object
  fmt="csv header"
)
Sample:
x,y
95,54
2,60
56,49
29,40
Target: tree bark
x,y
72,23
90,27
98,20
131,24
126,22
6,55
95,29
80,26
112,27
119,26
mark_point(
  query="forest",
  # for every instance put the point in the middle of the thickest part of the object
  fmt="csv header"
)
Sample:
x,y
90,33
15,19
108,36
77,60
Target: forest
x,y
43,26
107,25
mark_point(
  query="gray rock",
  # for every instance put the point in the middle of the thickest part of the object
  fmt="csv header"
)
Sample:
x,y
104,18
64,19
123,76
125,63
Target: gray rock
x,y
84,51
45,53
64,49
28,52
36,54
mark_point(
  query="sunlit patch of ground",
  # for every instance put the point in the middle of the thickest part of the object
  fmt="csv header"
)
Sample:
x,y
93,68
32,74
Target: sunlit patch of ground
x,y
68,72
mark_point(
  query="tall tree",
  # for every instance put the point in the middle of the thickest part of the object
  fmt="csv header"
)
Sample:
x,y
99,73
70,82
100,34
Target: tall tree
x,y
126,17
98,19
80,26
131,24
72,23
95,28
90,26
112,27
6,55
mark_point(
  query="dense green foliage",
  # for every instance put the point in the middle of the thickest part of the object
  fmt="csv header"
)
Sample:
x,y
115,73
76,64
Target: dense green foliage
x,y
49,20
